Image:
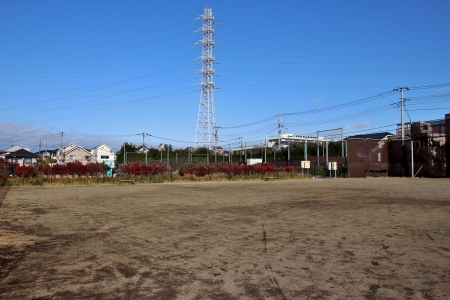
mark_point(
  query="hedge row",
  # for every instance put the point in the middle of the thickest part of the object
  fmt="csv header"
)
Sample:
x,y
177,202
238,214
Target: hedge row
x,y
138,169
233,169
69,169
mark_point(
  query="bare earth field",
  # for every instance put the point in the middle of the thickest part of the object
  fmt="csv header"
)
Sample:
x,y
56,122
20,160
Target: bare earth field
x,y
373,238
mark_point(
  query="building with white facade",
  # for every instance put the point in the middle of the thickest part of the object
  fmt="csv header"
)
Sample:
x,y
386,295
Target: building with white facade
x,y
104,154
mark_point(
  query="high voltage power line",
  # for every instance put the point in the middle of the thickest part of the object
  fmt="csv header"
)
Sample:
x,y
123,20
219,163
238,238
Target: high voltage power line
x,y
98,57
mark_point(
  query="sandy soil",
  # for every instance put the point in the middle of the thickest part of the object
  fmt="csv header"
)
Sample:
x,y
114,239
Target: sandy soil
x,y
373,238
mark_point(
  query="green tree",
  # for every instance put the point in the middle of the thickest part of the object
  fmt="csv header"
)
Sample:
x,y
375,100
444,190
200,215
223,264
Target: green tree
x,y
128,148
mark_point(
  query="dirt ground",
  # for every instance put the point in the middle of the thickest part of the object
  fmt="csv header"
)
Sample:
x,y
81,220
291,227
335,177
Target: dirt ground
x,y
367,238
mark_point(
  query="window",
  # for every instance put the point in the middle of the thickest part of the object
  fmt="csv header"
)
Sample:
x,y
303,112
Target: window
x,y
72,157
88,158
27,160
104,157
436,143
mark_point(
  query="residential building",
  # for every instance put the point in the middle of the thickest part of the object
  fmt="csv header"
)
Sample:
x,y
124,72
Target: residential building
x,y
424,133
15,148
22,157
142,149
76,153
48,155
104,154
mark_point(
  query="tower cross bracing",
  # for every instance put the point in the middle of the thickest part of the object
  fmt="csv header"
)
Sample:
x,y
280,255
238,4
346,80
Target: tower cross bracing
x,y
206,121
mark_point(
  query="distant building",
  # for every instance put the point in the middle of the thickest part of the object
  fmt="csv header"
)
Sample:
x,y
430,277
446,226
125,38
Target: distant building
x,y
22,157
48,155
142,149
287,139
15,148
104,154
79,154
424,133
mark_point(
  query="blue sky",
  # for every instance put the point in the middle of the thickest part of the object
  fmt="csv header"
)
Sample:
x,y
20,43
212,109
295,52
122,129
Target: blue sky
x,y
106,71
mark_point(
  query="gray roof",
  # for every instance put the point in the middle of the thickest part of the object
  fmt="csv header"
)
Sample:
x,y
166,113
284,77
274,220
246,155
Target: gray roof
x,y
371,136
21,153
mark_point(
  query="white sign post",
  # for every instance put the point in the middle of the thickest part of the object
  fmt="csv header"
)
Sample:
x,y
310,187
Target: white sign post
x,y
305,165
332,166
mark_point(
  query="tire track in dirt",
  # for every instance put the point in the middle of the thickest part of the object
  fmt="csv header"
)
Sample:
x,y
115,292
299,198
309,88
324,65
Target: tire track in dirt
x,y
264,239
273,280
3,192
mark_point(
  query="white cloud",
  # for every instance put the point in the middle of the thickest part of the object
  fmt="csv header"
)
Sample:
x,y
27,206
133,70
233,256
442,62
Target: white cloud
x,y
317,99
12,134
16,135
441,90
357,125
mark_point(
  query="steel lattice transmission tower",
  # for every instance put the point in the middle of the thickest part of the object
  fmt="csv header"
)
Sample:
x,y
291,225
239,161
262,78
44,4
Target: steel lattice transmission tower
x,y
206,131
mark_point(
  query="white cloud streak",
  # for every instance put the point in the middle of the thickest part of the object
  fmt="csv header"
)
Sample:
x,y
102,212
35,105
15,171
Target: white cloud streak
x,y
357,125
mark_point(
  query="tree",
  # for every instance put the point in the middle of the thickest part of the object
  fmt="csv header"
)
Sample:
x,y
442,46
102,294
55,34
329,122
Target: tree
x,y
6,167
128,148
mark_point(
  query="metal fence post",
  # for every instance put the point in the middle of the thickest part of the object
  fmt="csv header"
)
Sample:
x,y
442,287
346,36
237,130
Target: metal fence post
x,y
412,158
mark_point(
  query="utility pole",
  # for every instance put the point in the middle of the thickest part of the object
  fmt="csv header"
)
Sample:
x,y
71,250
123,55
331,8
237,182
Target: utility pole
x,y
265,150
61,147
245,152
240,152
342,140
306,149
289,150
279,131
46,150
402,108
168,148
317,141
215,143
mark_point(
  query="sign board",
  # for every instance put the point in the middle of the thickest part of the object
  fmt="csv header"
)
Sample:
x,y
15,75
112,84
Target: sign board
x,y
306,164
332,166
110,164
254,161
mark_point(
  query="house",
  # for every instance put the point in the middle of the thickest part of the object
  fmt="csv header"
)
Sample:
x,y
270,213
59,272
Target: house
x,y
425,134
15,148
104,154
22,157
77,153
429,154
48,155
142,149
368,154
68,147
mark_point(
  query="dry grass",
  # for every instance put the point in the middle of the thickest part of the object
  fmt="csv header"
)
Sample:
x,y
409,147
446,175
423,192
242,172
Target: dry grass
x,y
174,177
